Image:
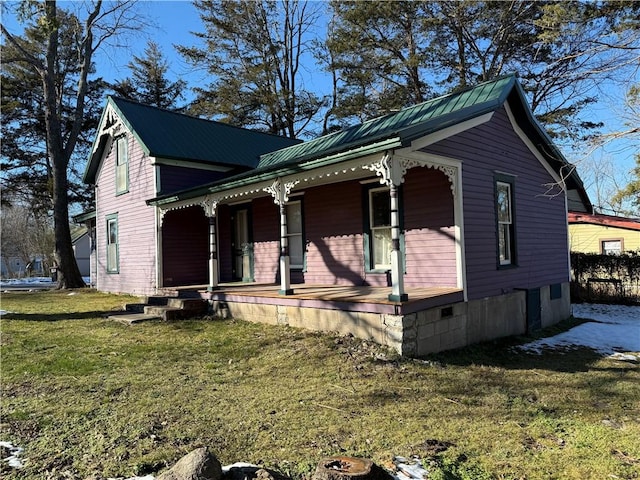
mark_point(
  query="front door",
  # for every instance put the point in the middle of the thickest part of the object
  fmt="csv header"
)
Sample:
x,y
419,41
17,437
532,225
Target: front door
x,y
241,245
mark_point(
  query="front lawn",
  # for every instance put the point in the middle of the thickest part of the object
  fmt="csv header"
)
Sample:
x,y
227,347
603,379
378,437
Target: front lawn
x,y
84,396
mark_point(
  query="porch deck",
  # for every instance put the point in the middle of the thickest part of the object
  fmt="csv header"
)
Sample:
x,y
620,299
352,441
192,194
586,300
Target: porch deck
x,y
332,297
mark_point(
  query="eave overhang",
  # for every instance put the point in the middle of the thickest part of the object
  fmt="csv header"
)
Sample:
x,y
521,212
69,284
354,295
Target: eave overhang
x,y
256,178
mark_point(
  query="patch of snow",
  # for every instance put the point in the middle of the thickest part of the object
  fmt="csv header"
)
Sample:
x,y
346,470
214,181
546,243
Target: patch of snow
x,y
146,477
226,468
26,281
409,469
615,330
14,453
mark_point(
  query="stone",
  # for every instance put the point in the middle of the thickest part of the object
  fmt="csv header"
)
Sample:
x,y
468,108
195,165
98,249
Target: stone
x,y
197,465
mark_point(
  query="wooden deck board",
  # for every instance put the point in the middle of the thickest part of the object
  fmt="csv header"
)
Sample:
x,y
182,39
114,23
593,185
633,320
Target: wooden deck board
x,y
358,298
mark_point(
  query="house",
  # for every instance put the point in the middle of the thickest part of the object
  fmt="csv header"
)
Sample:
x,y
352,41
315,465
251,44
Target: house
x,y
432,228
81,241
605,234
14,266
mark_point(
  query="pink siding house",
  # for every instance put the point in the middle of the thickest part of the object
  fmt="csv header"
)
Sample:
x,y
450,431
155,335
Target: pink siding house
x,y
438,226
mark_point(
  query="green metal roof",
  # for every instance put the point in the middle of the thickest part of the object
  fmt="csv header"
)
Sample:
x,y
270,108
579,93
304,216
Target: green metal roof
x,y
85,216
406,124
171,135
78,233
398,130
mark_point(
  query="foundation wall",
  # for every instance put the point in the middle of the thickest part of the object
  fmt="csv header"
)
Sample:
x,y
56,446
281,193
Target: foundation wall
x,y
557,309
417,334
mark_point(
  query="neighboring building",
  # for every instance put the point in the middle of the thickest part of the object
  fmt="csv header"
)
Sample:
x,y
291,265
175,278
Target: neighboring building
x,y
16,267
604,234
81,241
435,227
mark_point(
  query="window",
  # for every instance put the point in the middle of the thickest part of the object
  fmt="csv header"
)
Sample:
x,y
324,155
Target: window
x,y
380,228
611,247
113,262
122,165
295,238
505,216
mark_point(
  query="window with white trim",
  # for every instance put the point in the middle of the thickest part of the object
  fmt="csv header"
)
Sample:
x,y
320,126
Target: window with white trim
x,y
611,247
295,237
506,230
122,164
113,261
380,227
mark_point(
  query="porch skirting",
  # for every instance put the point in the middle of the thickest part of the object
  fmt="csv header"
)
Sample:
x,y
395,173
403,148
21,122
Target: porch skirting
x,y
434,324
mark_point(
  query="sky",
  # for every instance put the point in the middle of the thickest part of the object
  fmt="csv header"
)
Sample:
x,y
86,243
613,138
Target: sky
x,y
175,20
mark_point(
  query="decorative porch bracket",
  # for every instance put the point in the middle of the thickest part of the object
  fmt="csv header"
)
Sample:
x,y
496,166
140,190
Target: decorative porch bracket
x,y
392,169
280,190
210,205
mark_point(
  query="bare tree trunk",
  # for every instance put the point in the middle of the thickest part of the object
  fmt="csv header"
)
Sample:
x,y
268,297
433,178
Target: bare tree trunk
x,y
68,273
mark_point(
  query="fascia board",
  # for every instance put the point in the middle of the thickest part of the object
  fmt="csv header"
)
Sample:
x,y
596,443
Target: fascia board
x,y
450,131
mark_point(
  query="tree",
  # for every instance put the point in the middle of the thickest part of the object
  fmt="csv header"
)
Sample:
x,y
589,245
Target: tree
x,y
380,53
561,51
64,121
148,83
27,234
253,51
26,167
630,194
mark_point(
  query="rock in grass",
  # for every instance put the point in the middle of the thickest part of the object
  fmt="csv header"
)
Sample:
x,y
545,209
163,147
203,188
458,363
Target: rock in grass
x,y
197,465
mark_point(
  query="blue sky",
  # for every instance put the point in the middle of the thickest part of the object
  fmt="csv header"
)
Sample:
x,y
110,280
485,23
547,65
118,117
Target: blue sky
x,y
176,20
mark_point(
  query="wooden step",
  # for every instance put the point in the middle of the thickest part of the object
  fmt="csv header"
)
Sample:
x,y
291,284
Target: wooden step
x,y
165,308
132,318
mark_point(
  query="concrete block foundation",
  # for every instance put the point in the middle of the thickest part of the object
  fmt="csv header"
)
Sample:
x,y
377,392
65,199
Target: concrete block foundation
x,y
432,330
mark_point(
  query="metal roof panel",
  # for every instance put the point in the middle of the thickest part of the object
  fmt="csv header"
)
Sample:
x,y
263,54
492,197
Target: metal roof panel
x,y
168,134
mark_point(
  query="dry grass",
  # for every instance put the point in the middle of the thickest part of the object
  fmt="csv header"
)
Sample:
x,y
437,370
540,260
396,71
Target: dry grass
x,y
87,396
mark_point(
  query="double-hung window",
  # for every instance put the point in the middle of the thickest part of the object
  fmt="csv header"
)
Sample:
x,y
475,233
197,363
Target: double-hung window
x,y
295,237
122,164
380,228
113,261
505,218
611,247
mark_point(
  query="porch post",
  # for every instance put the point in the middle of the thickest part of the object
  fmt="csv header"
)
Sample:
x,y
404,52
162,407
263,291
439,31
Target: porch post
x,y
397,277
210,205
391,170
285,274
213,255
279,190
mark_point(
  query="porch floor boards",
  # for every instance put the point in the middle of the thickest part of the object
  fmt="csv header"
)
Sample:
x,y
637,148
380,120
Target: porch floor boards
x,y
340,297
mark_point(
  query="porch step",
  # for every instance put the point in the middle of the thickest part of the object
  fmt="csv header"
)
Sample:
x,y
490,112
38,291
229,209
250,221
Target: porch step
x,y
131,318
164,308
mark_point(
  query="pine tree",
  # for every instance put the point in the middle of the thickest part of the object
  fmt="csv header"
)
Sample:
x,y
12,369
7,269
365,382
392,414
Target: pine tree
x,y
253,53
148,83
